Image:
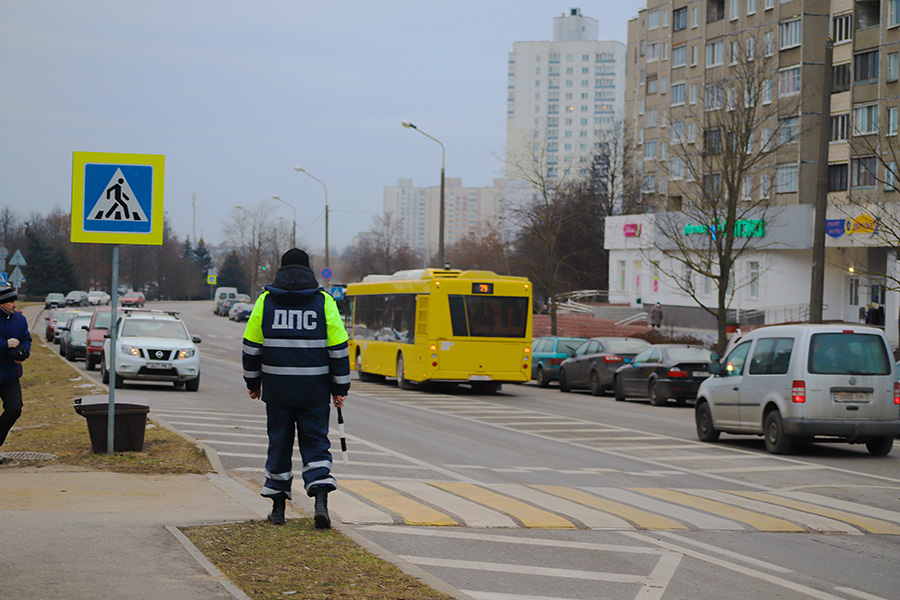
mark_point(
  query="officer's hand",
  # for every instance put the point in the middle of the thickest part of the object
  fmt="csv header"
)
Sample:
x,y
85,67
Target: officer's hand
x,y
338,400
255,394
12,343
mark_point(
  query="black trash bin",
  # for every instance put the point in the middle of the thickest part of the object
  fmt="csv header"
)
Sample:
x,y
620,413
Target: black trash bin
x,y
129,426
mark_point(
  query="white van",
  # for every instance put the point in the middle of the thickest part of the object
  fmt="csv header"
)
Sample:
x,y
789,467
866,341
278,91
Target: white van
x,y
804,383
222,294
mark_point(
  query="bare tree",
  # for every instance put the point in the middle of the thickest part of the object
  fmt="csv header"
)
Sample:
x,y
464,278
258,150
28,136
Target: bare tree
x,y
251,231
482,250
381,250
721,172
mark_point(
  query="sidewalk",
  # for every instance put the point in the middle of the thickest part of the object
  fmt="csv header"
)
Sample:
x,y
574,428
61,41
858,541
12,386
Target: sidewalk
x,y
77,534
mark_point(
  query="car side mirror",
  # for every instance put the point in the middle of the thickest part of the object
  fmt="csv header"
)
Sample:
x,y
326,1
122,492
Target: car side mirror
x,y
106,335
715,367
195,339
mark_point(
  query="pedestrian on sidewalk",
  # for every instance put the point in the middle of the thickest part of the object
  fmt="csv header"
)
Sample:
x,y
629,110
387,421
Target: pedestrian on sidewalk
x,y
15,347
656,316
296,358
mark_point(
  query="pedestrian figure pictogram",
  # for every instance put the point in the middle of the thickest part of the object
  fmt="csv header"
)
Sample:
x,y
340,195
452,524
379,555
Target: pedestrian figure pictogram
x,y
118,202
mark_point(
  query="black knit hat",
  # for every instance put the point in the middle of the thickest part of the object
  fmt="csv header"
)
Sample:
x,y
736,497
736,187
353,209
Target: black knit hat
x,y
7,293
295,256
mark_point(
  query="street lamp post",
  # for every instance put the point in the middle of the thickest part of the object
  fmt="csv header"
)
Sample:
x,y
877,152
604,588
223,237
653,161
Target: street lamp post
x,y
440,259
294,210
302,170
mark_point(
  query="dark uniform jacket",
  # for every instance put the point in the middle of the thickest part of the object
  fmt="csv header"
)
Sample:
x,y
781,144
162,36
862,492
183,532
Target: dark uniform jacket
x,y
295,344
13,325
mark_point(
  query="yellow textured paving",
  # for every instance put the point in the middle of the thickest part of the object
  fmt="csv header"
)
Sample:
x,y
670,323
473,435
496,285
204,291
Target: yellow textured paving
x,y
414,513
867,523
754,519
527,514
641,518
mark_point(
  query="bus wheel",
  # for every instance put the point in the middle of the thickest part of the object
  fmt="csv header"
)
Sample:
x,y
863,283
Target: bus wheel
x,y
402,382
363,376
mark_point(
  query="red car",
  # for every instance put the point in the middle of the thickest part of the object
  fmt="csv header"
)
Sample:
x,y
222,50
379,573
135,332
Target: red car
x,y
98,328
133,299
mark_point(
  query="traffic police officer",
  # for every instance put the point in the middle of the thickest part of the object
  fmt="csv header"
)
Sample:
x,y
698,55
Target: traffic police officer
x,y
295,356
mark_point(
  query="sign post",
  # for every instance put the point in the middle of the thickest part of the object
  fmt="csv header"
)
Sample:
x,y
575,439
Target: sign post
x,y
117,199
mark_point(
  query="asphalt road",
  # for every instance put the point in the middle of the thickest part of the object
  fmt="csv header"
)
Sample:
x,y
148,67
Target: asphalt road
x,y
532,494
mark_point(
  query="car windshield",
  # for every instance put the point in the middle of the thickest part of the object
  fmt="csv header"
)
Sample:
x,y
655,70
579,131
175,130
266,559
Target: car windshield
x,y
626,346
688,354
568,346
103,319
154,328
55,297
848,354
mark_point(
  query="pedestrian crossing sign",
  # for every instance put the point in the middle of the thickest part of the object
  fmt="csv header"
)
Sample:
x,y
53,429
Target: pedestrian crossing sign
x,y
117,198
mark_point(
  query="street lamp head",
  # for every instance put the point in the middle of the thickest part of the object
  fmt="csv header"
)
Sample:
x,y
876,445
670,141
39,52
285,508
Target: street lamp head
x,y
299,169
408,125
275,198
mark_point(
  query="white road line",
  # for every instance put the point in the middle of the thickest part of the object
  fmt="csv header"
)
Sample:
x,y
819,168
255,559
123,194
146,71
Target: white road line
x,y
766,469
688,457
473,515
229,426
660,576
860,509
593,519
472,565
500,596
858,594
233,443
194,432
350,510
679,513
722,552
216,416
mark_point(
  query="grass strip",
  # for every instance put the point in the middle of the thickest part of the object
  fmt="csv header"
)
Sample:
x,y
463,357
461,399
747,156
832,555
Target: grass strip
x,y
50,424
297,561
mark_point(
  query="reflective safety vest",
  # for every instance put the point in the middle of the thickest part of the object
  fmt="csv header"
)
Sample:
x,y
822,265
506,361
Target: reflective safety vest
x,y
297,352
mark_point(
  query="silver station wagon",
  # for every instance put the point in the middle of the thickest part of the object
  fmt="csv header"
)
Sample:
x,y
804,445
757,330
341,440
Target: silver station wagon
x,y
803,383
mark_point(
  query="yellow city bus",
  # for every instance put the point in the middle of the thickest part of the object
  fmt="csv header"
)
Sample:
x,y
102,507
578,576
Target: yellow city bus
x,y
443,326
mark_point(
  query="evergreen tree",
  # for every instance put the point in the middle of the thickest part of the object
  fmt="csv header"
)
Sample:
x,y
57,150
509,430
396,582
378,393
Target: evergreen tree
x,y
49,270
232,273
202,256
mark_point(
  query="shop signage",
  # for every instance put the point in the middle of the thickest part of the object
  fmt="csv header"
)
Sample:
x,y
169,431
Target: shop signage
x,y
632,229
861,224
743,228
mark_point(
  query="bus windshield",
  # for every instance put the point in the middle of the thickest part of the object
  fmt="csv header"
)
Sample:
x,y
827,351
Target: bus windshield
x,y
488,316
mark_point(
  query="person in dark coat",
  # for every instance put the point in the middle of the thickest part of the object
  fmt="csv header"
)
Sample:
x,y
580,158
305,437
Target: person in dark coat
x,y
656,316
15,347
296,359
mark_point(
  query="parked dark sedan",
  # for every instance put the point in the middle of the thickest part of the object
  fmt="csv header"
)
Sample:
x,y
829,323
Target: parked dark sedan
x,y
595,361
664,371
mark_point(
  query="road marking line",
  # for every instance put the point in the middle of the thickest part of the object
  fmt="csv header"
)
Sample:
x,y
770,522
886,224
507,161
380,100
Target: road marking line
x,y
226,425
870,511
685,515
227,433
757,520
660,576
764,469
641,518
528,515
858,594
721,552
867,523
500,596
689,457
592,519
810,521
473,515
411,511
472,565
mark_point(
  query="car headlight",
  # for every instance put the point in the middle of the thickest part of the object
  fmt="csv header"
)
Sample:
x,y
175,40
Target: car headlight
x,y
184,354
132,350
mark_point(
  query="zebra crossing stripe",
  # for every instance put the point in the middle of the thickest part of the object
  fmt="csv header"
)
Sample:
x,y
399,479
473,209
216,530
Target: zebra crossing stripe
x,y
413,512
350,510
754,519
528,515
867,523
700,520
474,515
641,518
592,519
808,520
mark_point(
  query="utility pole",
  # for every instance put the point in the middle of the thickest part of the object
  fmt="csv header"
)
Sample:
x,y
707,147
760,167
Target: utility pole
x,y
817,279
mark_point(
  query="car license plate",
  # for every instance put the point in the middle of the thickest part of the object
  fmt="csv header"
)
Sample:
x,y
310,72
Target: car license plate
x,y
701,373
158,365
479,377
851,397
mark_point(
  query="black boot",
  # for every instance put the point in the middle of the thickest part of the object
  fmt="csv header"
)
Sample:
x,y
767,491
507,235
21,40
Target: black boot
x,y
276,517
323,521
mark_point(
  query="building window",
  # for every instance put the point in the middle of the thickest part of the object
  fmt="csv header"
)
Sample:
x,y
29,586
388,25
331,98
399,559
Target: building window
x,y
790,34
694,93
715,10
735,10
842,28
893,66
652,84
786,179
653,52
713,97
770,4
693,56
650,118
715,53
893,19
648,184
789,81
747,188
865,119
712,142
765,140
788,130
679,19
892,120
767,42
866,66
890,177
767,91
734,50
679,55
837,177
862,172
868,13
840,78
677,94
676,133
765,186
751,48
751,7
676,169
653,19
753,274
840,127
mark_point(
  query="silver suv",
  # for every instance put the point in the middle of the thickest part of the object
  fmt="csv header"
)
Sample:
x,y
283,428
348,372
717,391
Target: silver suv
x,y
801,383
153,345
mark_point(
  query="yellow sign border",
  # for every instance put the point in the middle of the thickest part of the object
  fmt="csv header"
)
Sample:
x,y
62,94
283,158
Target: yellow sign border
x,y
156,161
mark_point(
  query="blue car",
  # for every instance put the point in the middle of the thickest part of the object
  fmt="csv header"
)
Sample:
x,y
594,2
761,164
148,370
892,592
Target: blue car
x,y
547,353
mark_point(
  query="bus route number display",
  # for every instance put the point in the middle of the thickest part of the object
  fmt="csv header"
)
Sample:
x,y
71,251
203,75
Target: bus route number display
x,y
482,288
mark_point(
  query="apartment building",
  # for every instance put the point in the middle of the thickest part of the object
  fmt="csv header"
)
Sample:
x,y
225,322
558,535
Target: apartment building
x,y
466,210
823,122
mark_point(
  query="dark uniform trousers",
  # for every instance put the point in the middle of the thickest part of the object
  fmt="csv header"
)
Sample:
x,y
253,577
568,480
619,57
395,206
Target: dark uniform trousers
x,y
311,425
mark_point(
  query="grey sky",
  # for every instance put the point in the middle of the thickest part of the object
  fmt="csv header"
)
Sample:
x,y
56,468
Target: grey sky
x,y
235,94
